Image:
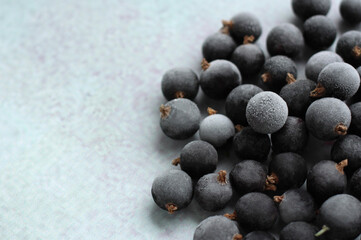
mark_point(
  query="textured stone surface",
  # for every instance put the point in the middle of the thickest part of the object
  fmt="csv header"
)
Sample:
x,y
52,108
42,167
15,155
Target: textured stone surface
x,y
80,92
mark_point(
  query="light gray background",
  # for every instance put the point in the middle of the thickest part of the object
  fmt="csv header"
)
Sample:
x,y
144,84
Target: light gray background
x,y
79,96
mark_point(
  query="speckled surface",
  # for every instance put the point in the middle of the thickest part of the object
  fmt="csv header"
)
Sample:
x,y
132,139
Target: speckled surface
x,y
80,92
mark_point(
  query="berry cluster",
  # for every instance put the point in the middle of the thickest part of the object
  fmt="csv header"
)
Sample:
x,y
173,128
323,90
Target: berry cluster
x,y
268,126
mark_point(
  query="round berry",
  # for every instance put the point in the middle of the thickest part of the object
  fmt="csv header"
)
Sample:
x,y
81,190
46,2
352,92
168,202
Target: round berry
x,y
218,46
319,61
319,32
217,228
249,58
349,47
351,11
299,231
308,8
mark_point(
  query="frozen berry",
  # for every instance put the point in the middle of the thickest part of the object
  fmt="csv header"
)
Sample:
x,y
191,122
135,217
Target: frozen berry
x,y
328,118
297,96
356,118
217,228
237,101
278,71
248,176
287,170
296,205
292,137
355,184
266,112
348,147
285,39
340,217
339,80
249,144
249,58
349,47
326,179
258,235
308,8
243,27
173,190
179,118
299,231
218,46
256,211
180,83
319,61
218,78
351,11
197,158
213,191
216,129
319,32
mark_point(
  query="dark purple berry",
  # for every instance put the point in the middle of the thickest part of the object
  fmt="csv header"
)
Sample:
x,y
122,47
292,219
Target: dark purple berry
x,y
258,235
299,231
355,184
179,118
308,8
249,58
319,61
213,191
218,78
278,71
340,217
351,11
197,158
285,39
217,228
180,83
172,191
326,179
292,137
319,32
249,144
248,176
349,47
218,46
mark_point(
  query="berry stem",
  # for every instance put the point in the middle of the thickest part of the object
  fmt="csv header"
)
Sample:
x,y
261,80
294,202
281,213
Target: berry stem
x,y
171,208
290,78
266,77
319,91
179,94
222,177
248,39
231,216
322,231
272,178
356,50
278,199
211,111
237,237
341,129
341,165
205,65
227,23
238,127
164,111
176,161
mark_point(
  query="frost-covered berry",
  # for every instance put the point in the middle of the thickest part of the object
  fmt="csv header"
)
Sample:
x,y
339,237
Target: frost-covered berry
x,y
218,46
266,112
349,47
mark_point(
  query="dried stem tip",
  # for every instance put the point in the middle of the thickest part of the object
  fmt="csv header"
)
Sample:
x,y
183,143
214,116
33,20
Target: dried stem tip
x,y
356,50
205,65
211,111
176,161
341,129
164,111
237,237
266,77
232,216
290,78
278,199
248,39
179,94
322,231
227,23
171,208
222,177
319,91
238,127
341,165
272,178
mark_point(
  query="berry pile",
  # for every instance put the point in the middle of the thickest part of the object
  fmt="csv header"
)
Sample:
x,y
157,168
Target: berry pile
x,y
268,124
